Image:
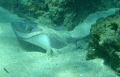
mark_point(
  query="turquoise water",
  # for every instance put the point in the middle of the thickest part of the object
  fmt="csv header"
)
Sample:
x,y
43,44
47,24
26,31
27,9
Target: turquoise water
x,y
67,49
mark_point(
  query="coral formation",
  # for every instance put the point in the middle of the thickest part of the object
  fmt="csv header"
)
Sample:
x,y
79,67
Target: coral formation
x,y
104,41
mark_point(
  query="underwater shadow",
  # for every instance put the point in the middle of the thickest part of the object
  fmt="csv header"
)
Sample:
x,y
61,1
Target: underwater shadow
x,y
30,47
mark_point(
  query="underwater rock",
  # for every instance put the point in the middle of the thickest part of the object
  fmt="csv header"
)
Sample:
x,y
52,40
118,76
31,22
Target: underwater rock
x,y
66,13
104,41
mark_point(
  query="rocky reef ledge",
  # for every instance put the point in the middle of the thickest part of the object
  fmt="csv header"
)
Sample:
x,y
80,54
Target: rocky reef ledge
x,y
104,41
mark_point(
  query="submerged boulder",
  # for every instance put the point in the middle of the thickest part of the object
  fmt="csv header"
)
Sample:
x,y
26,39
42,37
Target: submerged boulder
x,y
104,41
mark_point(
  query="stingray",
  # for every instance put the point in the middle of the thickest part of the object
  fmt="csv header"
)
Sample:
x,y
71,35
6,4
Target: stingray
x,y
41,36
29,31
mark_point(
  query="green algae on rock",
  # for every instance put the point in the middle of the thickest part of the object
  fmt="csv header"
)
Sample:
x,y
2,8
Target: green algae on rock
x,y
65,13
104,41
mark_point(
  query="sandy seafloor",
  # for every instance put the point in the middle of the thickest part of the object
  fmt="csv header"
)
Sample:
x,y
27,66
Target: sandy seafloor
x,y
15,61
21,63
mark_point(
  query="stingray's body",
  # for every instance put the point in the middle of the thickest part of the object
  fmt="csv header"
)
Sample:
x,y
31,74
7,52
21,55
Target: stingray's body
x,y
29,31
44,37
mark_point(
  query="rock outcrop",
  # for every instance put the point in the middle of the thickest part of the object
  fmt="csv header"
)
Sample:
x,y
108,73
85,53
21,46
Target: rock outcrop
x,y
104,41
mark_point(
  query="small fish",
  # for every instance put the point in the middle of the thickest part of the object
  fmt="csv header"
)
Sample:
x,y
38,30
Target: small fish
x,y
6,70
